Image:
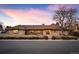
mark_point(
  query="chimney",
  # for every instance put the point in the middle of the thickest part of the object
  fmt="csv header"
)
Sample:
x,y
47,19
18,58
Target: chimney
x,y
43,24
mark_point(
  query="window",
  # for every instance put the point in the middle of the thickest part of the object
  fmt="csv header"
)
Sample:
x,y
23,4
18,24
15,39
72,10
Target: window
x,y
47,32
15,31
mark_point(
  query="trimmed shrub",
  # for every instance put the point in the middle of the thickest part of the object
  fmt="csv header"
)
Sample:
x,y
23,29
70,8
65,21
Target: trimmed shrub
x,y
53,38
69,38
46,37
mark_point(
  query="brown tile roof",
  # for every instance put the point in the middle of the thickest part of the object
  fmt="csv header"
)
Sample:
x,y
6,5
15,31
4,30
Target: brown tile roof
x,y
26,27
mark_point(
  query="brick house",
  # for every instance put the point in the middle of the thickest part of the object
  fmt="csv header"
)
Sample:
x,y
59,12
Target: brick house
x,y
38,30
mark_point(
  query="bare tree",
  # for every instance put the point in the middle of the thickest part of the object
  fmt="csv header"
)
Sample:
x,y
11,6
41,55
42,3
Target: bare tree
x,y
66,18
71,19
60,16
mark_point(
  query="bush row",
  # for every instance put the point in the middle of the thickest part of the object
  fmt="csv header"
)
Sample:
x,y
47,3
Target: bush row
x,y
45,37
70,38
65,38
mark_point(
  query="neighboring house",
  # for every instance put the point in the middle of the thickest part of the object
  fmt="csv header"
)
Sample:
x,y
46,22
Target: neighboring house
x,y
44,30
1,28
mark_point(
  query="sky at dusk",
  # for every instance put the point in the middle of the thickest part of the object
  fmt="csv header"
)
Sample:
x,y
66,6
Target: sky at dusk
x,y
29,14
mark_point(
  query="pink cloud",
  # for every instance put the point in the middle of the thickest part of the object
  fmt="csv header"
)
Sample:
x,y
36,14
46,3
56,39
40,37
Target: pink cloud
x,y
31,16
34,16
